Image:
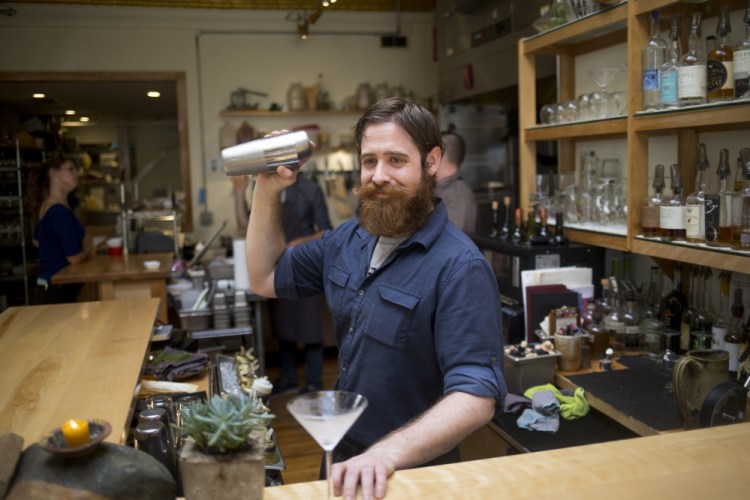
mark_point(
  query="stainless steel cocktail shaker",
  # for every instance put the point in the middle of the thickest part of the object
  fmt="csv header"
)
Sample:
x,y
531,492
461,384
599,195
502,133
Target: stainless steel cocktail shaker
x,y
264,155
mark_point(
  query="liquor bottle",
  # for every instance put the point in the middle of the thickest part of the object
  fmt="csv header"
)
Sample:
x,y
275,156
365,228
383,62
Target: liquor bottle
x,y
719,207
654,54
691,79
675,302
495,228
695,213
505,230
720,326
672,210
559,238
739,177
741,224
668,73
517,236
719,62
652,204
700,328
735,337
542,236
613,322
687,314
742,61
653,298
531,225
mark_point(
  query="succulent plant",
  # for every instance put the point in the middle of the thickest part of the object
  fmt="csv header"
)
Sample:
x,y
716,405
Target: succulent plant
x,y
223,425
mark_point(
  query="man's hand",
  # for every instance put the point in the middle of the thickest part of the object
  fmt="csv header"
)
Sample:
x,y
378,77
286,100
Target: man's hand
x,y
369,471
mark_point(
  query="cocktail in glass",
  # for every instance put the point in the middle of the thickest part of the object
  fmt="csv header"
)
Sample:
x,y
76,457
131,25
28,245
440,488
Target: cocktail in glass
x,y
327,416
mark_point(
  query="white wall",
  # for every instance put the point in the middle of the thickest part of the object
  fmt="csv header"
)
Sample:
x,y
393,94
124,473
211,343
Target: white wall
x,y
219,51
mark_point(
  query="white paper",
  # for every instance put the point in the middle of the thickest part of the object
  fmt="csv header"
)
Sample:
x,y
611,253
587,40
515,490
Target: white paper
x,y
241,279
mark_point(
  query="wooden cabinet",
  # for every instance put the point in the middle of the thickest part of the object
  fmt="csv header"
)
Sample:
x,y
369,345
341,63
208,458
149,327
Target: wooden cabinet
x,y
625,23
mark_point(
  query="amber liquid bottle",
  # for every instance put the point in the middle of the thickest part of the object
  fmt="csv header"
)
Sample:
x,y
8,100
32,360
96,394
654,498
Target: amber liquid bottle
x,y
495,229
719,62
652,204
517,236
675,302
505,230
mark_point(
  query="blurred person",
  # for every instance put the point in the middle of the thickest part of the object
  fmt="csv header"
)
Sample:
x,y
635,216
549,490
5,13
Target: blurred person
x,y
59,234
414,303
304,216
451,188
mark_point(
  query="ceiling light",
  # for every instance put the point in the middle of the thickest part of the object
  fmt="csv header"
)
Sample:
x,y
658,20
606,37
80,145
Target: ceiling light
x,y
304,29
38,95
153,93
325,3
70,112
84,118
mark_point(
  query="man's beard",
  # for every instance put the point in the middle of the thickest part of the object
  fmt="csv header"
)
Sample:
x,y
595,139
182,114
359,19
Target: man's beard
x,y
400,213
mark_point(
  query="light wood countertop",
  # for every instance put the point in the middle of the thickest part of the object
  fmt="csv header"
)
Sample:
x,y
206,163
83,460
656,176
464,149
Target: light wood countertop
x,y
65,361
115,268
704,463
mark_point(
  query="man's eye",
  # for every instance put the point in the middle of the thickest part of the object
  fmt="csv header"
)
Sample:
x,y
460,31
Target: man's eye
x,y
396,160
369,162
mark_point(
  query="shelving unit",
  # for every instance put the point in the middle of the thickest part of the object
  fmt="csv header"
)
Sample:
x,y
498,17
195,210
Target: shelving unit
x,y
626,22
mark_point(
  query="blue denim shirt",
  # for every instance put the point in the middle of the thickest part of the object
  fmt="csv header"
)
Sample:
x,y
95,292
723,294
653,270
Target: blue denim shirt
x,y
427,323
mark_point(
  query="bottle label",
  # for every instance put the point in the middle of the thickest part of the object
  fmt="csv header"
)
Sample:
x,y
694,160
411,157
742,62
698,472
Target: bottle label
x,y
650,217
650,79
694,221
713,217
741,63
684,336
691,82
632,330
717,337
734,355
672,217
668,84
719,76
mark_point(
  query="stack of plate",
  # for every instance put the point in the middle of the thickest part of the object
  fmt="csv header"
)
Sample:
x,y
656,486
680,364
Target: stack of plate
x,y
241,309
221,311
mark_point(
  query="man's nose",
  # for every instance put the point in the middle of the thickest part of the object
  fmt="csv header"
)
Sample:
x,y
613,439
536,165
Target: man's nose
x,y
380,175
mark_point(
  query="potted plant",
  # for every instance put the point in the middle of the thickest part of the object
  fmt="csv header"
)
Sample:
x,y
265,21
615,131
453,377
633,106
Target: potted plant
x,y
222,456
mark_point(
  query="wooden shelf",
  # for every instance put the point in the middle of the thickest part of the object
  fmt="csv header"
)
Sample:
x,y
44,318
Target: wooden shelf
x,y
603,23
248,113
610,126
703,118
604,240
702,255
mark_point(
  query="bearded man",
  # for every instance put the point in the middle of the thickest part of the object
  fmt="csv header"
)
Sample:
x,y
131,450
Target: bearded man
x,y
415,305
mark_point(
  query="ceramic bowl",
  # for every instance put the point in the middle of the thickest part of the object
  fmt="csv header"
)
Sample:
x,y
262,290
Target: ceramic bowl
x,y
151,265
54,442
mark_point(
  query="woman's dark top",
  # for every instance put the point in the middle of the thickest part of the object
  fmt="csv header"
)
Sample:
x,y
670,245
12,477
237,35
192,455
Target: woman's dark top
x,y
60,235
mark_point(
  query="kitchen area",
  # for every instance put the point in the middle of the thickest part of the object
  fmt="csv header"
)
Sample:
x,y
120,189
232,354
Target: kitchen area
x,y
227,75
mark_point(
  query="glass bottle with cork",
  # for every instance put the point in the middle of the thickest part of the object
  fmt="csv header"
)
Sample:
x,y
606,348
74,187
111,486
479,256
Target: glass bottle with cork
x,y
695,214
654,54
700,328
719,206
652,204
735,337
688,313
741,66
741,215
495,227
691,76
719,61
517,236
675,303
669,70
505,229
720,326
672,210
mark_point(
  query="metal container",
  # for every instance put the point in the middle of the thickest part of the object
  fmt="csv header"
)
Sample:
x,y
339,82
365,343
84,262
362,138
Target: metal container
x,y
523,373
265,155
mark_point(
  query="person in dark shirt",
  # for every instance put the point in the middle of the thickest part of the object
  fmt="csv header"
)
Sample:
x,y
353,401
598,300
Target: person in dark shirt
x,y
59,234
304,216
414,303
457,195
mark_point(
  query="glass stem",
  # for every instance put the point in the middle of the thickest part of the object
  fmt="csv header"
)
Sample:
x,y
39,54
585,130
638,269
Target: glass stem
x,y
329,479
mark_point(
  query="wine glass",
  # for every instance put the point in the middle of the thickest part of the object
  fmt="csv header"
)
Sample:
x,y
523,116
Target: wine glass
x,y
326,416
603,77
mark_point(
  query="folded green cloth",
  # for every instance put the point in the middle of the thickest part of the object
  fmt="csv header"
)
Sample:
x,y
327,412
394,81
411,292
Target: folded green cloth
x,y
571,407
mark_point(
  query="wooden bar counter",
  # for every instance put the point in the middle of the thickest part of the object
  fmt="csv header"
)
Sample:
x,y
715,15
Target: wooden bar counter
x,y
65,361
704,463
123,276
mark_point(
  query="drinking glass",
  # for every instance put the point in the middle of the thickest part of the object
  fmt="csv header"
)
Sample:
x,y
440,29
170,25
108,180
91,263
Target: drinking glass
x,y
547,114
603,77
583,107
327,416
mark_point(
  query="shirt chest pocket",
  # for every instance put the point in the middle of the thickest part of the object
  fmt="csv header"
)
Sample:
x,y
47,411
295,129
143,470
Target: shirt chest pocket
x,y
336,289
391,316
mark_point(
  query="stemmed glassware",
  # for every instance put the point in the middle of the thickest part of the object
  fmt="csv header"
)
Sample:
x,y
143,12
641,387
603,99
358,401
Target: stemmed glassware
x,y
599,102
327,416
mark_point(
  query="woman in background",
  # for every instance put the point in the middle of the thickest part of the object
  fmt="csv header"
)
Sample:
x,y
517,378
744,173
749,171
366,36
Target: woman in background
x,y
59,234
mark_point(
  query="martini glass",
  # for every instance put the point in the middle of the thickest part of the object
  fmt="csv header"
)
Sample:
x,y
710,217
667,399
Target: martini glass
x,y
603,77
326,416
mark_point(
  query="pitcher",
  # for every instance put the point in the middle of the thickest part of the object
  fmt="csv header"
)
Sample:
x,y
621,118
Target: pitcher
x,y
694,376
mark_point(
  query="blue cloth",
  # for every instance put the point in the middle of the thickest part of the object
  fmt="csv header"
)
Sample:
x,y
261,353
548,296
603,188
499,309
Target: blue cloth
x,y
60,235
427,323
532,420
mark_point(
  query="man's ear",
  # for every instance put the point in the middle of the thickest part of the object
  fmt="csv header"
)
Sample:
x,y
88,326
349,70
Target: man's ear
x,y
433,160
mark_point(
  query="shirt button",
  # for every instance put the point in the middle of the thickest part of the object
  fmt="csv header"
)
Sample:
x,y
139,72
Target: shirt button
x,y
360,292
351,330
494,359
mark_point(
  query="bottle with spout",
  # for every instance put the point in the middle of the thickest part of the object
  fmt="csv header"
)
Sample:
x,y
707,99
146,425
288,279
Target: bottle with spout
x,y
695,212
691,85
672,210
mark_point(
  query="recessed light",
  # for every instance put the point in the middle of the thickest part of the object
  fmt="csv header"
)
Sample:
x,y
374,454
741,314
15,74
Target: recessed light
x,y
38,95
84,118
153,93
70,112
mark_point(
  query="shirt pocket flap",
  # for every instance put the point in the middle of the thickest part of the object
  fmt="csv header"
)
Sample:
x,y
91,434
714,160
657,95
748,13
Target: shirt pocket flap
x,y
398,297
338,276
